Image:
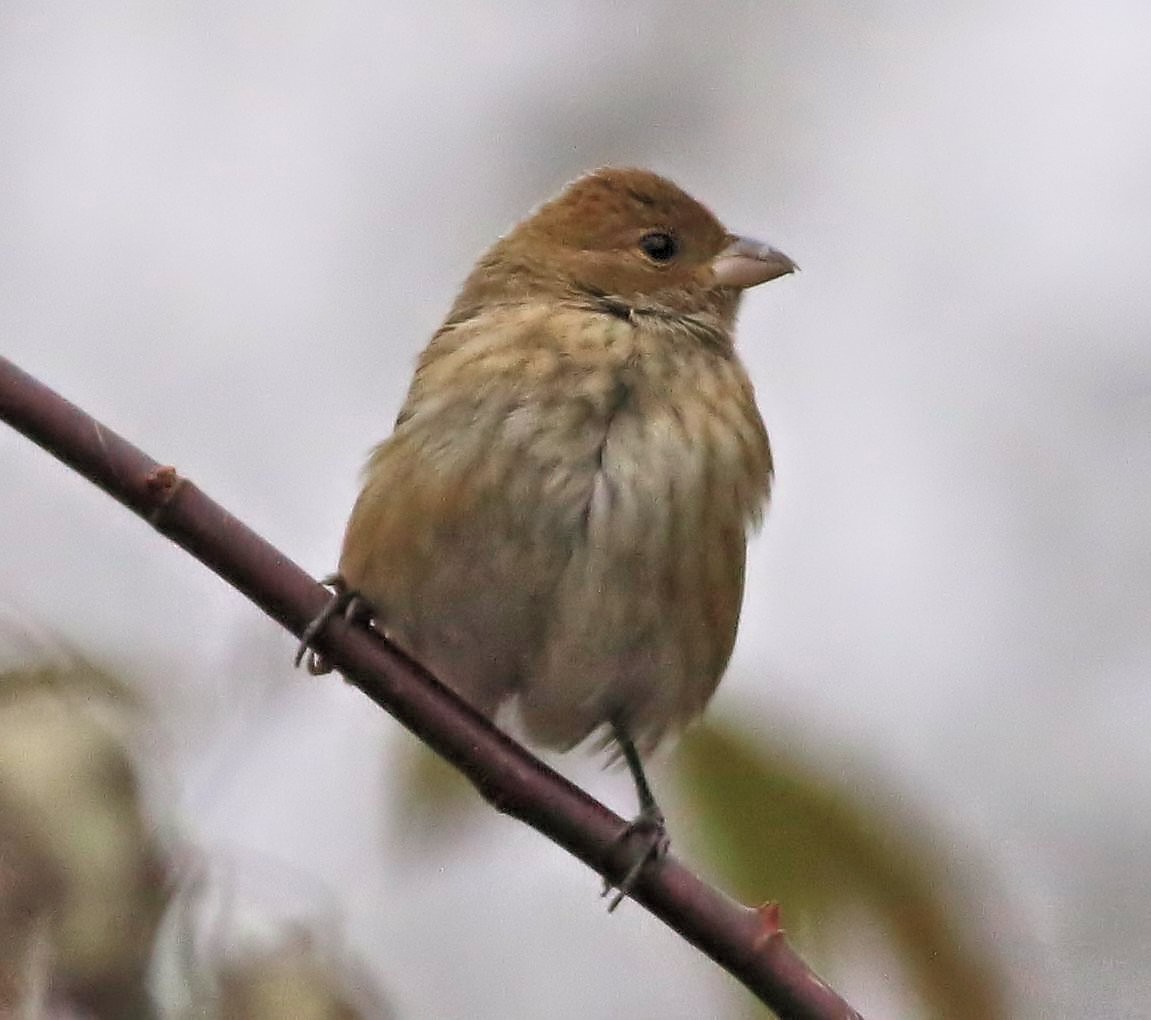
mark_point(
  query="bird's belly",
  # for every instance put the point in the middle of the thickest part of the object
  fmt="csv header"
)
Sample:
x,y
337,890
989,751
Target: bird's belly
x,y
642,618
589,563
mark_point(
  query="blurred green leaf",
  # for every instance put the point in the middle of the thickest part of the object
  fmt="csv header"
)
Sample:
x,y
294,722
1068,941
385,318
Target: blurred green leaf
x,y
775,830
433,798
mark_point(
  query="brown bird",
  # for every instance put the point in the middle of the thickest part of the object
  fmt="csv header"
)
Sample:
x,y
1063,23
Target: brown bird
x,y
560,517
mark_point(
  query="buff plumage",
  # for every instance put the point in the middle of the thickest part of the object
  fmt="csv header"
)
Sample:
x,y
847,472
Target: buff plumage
x,y
560,516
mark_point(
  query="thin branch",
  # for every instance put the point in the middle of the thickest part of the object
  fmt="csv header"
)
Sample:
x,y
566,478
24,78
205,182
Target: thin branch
x,y
746,941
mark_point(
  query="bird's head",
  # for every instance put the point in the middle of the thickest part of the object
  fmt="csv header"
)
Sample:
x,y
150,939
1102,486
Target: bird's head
x,y
630,236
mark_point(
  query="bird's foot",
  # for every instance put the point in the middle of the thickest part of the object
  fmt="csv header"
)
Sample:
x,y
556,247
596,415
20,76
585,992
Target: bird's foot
x,y
344,602
649,827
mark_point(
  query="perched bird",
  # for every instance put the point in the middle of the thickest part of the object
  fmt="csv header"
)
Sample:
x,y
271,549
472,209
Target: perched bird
x,y
560,517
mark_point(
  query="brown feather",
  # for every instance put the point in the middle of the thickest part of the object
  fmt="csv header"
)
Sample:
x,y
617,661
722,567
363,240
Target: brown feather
x,y
561,513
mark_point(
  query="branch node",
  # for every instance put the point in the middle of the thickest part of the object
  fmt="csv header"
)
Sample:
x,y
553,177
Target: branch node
x,y
162,484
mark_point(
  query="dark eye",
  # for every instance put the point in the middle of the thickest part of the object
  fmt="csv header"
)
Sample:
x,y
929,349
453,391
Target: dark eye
x,y
659,246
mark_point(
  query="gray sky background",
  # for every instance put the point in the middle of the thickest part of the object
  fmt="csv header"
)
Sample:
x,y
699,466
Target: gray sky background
x,y
227,230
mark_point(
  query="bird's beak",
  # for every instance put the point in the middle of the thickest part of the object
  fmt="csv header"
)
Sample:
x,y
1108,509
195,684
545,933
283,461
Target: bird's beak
x,y
746,262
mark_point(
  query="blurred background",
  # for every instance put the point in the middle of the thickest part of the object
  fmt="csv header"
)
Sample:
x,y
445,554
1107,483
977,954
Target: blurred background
x,y
227,229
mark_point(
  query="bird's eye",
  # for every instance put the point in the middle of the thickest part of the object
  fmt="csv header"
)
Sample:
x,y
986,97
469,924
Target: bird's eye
x,y
659,246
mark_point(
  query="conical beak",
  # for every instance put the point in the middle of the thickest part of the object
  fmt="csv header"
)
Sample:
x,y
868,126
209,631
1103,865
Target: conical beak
x,y
746,262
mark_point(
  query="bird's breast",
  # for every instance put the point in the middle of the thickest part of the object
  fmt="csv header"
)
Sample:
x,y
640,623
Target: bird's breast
x,y
561,512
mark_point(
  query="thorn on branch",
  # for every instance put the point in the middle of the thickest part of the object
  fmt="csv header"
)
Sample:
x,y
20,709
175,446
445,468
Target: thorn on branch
x,y
772,926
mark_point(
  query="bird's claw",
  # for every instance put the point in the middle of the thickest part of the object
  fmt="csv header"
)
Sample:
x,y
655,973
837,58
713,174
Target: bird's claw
x,y
648,825
344,602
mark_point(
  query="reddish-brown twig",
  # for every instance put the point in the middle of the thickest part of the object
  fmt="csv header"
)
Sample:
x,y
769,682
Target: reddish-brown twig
x,y
746,941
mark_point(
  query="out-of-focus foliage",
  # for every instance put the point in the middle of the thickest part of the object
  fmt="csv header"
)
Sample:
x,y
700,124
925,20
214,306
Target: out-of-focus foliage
x,y
77,854
774,830
249,937
86,887
292,982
